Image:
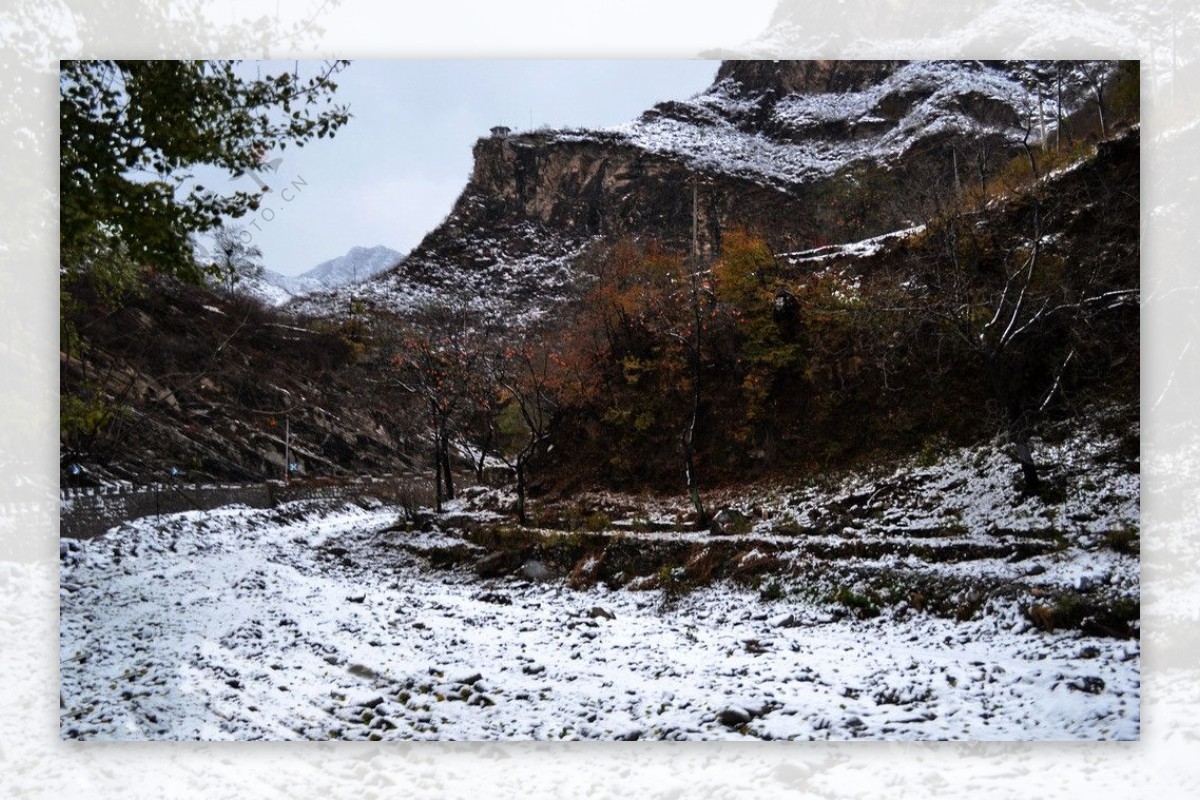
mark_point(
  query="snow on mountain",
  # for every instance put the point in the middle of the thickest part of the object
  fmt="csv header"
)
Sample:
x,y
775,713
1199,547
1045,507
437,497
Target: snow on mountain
x,y
761,138
267,288
359,264
523,267
737,129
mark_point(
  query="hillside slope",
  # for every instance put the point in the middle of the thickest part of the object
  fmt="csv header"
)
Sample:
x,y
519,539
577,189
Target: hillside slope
x,y
196,385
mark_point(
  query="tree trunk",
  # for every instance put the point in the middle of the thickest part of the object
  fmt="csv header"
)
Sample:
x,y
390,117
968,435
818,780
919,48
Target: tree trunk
x,y
484,447
1058,107
444,454
521,491
689,466
1016,425
1029,468
437,469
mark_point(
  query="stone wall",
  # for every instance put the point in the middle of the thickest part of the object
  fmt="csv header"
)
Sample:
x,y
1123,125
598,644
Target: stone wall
x,y
89,512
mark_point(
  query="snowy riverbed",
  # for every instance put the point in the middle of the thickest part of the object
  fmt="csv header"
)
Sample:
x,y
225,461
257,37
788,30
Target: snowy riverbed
x,y
311,622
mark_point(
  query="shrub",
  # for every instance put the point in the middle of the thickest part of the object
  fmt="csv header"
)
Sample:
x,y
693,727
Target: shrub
x,y
412,495
597,521
861,606
1124,540
774,591
1106,616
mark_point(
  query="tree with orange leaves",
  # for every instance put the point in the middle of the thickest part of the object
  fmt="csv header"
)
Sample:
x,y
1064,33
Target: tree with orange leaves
x,y
642,334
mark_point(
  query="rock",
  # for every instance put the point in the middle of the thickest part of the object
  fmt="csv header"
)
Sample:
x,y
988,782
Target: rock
x,y
537,571
599,611
372,702
1091,581
363,672
728,522
1092,685
733,717
497,564
357,599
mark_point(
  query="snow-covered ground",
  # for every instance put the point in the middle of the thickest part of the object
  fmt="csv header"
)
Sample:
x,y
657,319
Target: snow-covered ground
x,y
317,622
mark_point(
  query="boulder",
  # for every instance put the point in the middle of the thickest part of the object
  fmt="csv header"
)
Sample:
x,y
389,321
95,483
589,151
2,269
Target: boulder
x,y
537,571
728,522
733,717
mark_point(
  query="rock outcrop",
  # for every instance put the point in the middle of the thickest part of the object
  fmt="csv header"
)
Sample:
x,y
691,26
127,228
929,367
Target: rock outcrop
x,y
770,146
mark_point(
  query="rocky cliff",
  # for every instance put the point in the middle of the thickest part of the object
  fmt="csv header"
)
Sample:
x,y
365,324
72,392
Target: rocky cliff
x,y
771,146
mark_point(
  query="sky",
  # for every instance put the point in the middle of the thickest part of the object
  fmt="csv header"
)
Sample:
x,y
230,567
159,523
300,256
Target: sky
x,y
393,172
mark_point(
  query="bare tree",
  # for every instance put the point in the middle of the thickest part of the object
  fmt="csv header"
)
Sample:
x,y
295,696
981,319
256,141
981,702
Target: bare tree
x,y
523,371
235,256
1002,288
1096,76
437,359
697,301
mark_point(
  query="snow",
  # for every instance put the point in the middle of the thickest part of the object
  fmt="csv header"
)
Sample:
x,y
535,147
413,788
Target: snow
x,y
521,271
860,249
720,133
315,622
357,265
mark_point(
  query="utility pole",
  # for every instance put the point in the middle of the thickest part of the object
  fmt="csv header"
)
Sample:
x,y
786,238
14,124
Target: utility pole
x,y
688,435
695,236
287,448
957,185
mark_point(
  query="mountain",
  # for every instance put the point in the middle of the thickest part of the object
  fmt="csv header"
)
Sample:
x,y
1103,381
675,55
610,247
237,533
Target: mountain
x,y
771,146
359,264
858,177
